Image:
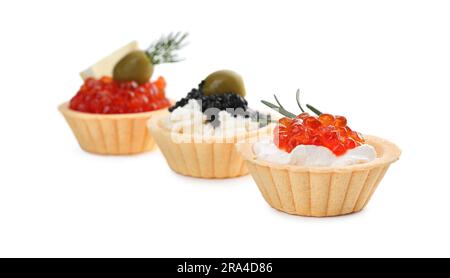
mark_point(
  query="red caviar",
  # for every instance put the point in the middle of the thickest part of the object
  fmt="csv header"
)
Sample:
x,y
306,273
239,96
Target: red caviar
x,y
107,96
326,130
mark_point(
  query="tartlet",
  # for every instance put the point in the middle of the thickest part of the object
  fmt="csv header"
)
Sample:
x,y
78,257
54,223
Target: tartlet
x,y
109,114
202,157
113,134
203,154
319,191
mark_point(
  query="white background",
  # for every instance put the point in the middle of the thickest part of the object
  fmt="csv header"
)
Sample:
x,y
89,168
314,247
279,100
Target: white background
x,y
383,64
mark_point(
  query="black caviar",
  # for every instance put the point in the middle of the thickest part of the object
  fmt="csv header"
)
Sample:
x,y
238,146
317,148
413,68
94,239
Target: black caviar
x,y
220,101
233,103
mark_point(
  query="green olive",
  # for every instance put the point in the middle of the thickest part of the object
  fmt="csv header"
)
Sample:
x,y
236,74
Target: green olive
x,y
224,81
136,66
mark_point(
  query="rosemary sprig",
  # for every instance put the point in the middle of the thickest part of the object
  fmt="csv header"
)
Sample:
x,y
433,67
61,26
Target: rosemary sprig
x,y
315,110
161,51
276,99
297,97
279,109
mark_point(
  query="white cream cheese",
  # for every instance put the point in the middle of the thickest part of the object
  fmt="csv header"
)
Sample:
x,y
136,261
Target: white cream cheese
x,y
190,119
310,155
